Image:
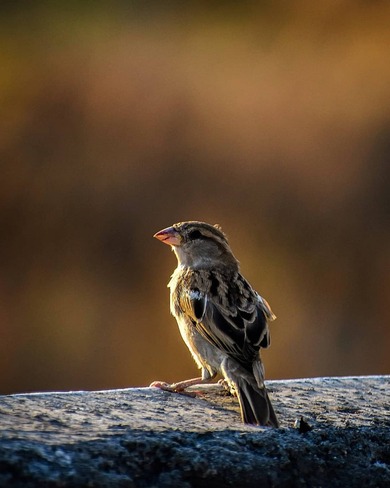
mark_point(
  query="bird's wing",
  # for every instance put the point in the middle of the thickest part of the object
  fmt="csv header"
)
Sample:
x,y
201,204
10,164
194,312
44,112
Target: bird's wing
x,y
237,325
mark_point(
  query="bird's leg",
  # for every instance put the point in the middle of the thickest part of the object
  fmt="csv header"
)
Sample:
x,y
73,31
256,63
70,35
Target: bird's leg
x,y
228,388
180,386
177,387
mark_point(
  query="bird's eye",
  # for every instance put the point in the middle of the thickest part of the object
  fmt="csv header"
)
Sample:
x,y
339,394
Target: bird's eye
x,y
195,234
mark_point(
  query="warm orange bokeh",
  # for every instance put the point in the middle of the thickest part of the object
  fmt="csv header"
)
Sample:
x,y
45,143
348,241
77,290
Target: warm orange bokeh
x,y
273,121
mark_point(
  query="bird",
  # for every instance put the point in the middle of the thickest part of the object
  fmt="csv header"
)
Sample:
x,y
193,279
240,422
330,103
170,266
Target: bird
x,y
221,318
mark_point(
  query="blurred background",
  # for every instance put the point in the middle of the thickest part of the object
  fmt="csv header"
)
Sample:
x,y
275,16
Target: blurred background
x,y
120,118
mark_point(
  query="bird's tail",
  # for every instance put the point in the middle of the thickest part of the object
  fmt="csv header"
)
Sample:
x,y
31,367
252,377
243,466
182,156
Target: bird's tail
x,y
248,384
256,407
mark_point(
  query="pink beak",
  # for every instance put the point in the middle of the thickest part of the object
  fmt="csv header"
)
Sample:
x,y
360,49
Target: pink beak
x,y
168,236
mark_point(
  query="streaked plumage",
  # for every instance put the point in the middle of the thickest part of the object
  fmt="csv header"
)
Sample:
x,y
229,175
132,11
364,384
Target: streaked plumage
x,y
223,321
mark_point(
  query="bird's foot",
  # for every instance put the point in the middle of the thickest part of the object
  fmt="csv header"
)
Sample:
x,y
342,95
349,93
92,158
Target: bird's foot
x,y
172,388
229,389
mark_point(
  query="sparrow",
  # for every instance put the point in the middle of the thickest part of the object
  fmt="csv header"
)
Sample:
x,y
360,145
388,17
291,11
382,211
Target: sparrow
x,y
221,318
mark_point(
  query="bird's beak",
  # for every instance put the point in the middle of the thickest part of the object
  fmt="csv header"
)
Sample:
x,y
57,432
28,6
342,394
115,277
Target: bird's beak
x,y
169,236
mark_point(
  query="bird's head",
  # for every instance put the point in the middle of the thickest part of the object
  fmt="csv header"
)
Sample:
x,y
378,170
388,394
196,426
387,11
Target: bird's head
x,y
198,245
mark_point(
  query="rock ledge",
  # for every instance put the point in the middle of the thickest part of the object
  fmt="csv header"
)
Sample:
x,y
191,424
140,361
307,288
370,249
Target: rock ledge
x,y
144,437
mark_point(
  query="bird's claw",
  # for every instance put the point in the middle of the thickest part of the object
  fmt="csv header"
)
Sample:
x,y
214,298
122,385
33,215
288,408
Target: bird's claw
x,y
161,384
173,388
229,389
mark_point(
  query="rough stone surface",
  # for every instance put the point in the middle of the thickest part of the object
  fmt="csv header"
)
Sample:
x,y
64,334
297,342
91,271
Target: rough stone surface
x,y
145,437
